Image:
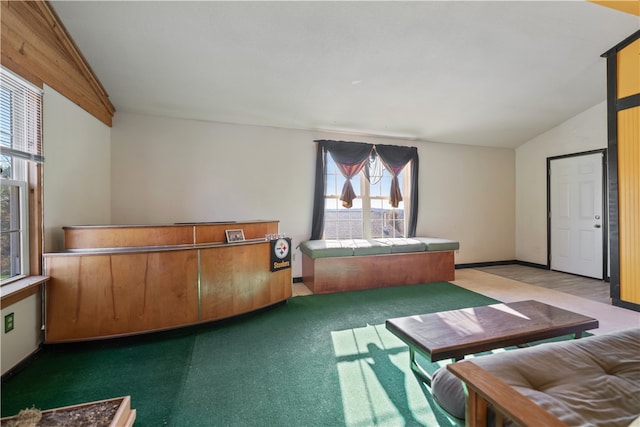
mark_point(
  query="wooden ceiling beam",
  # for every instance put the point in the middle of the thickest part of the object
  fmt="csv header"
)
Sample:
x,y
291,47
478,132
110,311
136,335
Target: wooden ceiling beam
x,y
36,46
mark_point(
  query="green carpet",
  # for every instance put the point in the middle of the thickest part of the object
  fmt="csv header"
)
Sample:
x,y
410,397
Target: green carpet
x,y
319,360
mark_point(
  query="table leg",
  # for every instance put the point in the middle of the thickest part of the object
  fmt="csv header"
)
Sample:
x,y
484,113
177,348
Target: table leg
x,y
417,369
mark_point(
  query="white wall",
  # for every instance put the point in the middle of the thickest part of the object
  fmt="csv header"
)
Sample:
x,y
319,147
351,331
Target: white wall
x,y
168,170
468,194
77,168
77,190
25,338
584,132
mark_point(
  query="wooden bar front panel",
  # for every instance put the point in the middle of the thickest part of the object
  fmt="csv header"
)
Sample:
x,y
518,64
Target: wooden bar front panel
x,y
91,296
238,280
108,295
339,274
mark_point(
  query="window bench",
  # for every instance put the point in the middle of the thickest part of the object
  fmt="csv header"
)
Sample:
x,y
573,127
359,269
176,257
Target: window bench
x,y
354,264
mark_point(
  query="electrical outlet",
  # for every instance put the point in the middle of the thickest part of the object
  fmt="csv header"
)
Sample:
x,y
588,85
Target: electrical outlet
x,y
9,323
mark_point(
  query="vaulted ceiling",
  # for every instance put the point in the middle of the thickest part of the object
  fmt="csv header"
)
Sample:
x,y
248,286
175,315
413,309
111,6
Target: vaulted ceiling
x,y
467,72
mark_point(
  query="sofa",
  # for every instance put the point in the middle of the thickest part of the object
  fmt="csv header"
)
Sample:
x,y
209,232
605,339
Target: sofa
x,y
592,381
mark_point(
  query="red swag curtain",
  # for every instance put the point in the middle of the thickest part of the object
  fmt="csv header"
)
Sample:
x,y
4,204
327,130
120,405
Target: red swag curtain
x,y
394,159
349,171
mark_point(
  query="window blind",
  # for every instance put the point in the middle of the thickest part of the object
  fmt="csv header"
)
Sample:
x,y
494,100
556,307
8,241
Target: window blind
x,y
21,118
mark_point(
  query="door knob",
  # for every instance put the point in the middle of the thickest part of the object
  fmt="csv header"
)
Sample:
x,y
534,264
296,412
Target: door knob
x,y
597,226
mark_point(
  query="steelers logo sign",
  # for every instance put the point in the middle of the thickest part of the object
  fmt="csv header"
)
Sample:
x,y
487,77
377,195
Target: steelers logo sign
x,y
281,248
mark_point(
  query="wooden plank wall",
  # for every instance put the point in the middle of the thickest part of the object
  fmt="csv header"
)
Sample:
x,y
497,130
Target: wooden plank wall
x,y
629,174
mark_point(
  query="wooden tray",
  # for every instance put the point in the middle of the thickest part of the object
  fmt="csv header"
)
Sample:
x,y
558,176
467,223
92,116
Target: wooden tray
x,y
124,416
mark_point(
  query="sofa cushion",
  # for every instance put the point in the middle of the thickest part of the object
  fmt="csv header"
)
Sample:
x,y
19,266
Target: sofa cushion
x,y
448,392
327,248
401,244
437,244
591,381
369,247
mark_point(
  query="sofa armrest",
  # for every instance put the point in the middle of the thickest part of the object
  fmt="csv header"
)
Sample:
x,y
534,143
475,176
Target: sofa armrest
x,y
484,389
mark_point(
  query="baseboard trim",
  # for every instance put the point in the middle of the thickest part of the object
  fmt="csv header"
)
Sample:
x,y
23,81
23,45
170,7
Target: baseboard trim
x,y
534,265
625,304
24,363
506,262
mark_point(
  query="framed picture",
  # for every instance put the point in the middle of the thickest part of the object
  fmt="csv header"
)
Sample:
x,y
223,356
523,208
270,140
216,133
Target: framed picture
x,y
234,235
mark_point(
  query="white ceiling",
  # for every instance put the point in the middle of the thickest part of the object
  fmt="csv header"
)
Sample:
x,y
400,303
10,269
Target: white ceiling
x,y
475,72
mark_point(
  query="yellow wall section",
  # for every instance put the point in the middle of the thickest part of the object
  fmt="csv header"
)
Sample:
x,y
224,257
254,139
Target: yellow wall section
x,y
629,70
629,6
629,203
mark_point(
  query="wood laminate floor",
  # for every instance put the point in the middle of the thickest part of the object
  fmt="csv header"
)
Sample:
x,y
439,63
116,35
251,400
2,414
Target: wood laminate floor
x,y
585,287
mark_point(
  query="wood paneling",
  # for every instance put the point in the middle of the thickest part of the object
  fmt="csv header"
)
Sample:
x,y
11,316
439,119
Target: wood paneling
x,y
36,220
629,70
36,46
629,203
623,114
628,6
338,274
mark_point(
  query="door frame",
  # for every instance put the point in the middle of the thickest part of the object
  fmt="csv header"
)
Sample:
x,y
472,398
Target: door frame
x,y
605,213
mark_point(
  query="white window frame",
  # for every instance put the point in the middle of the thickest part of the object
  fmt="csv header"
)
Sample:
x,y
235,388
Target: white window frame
x,y
22,229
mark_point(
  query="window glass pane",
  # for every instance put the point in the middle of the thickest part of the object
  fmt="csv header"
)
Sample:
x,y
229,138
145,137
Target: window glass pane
x,y
11,247
355,182
382,220
11,255
331,185
9,207
5,166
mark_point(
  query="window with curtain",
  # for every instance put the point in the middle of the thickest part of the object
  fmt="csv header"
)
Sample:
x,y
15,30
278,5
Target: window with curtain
x,y
20,145
364,191
371,214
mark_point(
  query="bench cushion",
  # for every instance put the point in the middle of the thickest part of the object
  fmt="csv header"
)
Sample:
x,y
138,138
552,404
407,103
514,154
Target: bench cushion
x,y
401,244
369,247
350,247
326,248
436,244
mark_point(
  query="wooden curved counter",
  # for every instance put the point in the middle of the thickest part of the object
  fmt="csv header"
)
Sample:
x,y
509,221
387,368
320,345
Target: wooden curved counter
x,y
150,282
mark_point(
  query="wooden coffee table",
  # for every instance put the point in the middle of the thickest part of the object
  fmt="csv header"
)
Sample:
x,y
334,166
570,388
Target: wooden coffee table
x,y
457,333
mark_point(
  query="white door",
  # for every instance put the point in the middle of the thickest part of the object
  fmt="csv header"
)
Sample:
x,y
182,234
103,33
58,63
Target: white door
x,y
576,215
